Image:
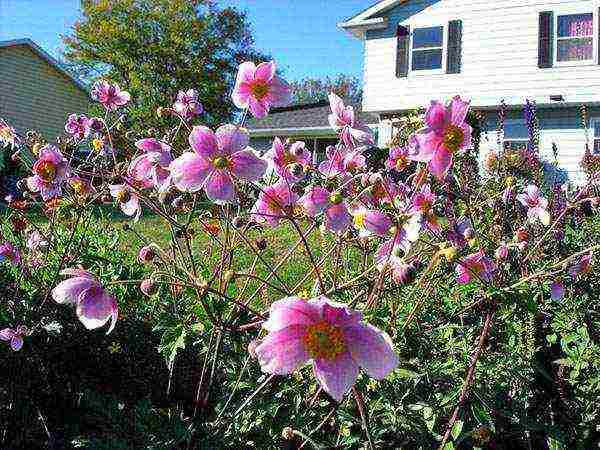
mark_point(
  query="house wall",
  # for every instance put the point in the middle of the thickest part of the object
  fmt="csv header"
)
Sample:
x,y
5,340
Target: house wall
x,y
562,127
499,56
35,95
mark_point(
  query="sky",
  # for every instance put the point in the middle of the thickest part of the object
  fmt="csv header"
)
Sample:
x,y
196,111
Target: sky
x,y
301,35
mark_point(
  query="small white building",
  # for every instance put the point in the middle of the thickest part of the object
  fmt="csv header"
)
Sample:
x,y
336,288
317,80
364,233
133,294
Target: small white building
x,y
547,51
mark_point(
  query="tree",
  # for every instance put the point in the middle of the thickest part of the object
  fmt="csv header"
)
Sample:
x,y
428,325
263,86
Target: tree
x,y
311,90
153,48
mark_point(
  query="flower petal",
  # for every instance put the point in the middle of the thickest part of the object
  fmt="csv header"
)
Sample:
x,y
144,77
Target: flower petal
x,y
204,142
231,139
315,200
435,117
95,307
291,311
440,163
459,109
265,71
247,166
259,109
68,291
338,218
336,376
16,343
283,351
372,349
280,93
219,187
7,334
189,172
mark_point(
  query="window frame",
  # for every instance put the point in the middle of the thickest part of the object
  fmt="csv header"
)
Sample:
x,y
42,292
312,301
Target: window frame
x,y
525,141
595,126
444,48
568,11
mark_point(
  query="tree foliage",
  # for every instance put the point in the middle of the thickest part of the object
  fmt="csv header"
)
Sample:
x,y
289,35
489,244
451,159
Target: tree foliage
x,y
309,90
155,47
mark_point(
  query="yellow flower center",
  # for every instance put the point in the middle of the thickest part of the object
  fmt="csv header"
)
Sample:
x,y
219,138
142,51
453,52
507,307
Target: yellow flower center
x,y
78,186
98,144
46,171
259,90
335,198
453,138
220,163
359,220
401,163
324,341
123,196
288,158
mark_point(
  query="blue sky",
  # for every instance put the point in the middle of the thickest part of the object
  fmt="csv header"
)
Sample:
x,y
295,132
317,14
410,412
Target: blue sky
x,y
301,35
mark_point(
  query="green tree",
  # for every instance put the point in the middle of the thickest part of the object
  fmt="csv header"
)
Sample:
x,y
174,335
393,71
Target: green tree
x,y
311,90
153,48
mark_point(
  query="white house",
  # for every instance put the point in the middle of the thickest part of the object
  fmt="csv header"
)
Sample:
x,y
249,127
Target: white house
x,y
488,51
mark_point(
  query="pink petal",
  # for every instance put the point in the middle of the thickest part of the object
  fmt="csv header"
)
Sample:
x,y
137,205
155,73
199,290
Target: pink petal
x,y
204,142
95,307
280,93
219,187
122,98
265,71
247,166
189,172
336,313
259,109
336,376
338,218
231,139
423,146
132,206
435,117
140,169
291,311
152,145
315,200
241,95
336,104
7,334
283,351
16,343
68,291
459,109
245,73
377,222
440,163
372,349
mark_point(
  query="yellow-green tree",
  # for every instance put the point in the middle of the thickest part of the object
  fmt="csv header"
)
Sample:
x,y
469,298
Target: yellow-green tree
x,y
153,48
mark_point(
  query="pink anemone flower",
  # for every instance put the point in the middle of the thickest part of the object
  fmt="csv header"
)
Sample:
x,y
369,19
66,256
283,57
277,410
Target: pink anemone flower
x,y
109,95
370,221
14,336
536,204
398,159
216,158
259,89
49,173
187,104
473,266
128,200
557,290
10,253
447,132
284,159
392,252
150,169
8,135
422,203
584,265
330,334
343,120
78,126
317,200
80,186
274,203
341,161
93,305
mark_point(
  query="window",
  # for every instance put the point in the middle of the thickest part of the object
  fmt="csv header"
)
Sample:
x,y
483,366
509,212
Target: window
x,y
516,135
596,142
575,37
427,48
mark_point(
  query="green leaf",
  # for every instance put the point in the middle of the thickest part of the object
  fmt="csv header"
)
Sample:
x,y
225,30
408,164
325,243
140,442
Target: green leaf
x,y
173,340
457,429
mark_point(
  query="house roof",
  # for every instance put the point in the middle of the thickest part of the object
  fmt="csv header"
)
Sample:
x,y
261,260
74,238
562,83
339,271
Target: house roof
x,y
45,56
364,20
305,119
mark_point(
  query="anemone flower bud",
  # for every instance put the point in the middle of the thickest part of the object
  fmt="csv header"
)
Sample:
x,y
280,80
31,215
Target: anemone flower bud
x,y
261,244
160,112
146,254
501,252
522,235
287,434
148,287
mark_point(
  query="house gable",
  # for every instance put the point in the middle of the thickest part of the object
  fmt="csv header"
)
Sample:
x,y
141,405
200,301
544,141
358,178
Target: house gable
x,y
35,93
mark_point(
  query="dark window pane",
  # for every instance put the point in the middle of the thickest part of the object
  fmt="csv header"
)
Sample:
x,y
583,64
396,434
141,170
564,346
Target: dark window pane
x,y
596,146
516,130
576,25
515,145
428,37
577,49
426,59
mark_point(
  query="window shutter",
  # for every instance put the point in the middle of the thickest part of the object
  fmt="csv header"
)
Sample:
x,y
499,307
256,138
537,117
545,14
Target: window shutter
x,y
546,40
453,61
403,52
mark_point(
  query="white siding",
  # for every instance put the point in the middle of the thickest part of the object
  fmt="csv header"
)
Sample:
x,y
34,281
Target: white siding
x,y
499,56
561,127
